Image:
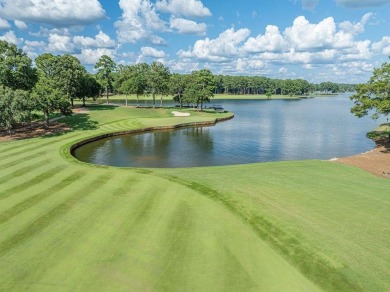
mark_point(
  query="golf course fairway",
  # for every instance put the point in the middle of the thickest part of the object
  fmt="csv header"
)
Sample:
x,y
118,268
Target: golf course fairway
x,y
285,226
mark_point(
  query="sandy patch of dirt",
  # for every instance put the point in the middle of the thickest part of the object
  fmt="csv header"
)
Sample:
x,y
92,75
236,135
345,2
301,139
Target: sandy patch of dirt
x,y
80,110
37,129
376,161
33,131
180,114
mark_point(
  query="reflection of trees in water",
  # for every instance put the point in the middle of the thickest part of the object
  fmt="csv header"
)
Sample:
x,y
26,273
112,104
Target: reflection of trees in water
x,y
200,137
162,144
151,143
152,148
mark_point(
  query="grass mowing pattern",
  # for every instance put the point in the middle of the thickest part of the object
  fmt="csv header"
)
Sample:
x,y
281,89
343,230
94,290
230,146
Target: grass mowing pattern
x,y
306,260
35,199
66,225
324,217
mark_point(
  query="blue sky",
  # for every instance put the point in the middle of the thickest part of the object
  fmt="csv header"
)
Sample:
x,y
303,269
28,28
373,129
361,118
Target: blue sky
x,y
318,40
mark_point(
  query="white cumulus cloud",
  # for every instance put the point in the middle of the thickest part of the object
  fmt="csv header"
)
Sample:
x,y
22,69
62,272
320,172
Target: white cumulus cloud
x,y
4,24
220,49
101,40
383,46
21,24
91,56
185,26
10,37
190,8
303,35
60,43
139,21
271,41
304,43
54,12
152,52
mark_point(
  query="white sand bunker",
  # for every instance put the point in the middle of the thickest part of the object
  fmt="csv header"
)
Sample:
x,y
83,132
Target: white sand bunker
x,y
180,114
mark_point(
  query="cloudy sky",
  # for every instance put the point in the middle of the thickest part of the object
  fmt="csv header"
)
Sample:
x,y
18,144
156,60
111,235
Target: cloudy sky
x,y
319,40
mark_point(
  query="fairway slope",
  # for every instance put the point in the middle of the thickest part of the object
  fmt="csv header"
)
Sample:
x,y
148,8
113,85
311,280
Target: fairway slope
x,y
293,226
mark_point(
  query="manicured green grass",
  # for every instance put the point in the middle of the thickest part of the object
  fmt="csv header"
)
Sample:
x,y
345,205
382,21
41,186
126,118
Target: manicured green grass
x,y
289,226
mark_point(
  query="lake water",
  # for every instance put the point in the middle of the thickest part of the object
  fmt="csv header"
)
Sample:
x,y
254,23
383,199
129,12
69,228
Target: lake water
x,y
262,130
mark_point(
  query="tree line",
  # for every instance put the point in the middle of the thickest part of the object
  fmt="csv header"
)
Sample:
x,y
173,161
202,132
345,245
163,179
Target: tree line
x,y
55,82
52,85
199,86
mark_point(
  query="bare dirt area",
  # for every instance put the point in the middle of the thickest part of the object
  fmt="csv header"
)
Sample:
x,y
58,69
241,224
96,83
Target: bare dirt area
x,y
376,161
33,131
37,129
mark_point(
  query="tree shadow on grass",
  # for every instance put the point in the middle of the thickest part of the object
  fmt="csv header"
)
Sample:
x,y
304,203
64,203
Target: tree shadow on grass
x,y
100,107
80,122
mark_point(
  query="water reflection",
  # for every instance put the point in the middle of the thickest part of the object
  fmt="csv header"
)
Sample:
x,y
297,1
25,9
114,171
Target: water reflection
x,y
184,147
319,128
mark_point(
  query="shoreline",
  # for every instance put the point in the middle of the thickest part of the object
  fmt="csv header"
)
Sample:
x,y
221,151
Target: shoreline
x,y
376,161
145,130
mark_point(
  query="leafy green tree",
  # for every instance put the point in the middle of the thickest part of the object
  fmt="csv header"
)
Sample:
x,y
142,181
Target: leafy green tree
x,y
219,85
48,99
141,82
177,86
47,64
303,86
16,71
70,74
158,80
48,93
126,80
373,96
105,75
191,94
65,73
133,80
201,87
89,87
15,107
17,77
328,87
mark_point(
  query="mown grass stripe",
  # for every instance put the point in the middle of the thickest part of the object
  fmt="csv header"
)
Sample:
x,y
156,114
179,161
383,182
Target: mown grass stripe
x,y
35,147
52,215
34,181
21,171
25,150
178,237
22,159
32,201
86,224
311,264
13,146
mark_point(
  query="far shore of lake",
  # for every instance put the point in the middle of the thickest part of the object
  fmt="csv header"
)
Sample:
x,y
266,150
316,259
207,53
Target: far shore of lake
x,y
133,97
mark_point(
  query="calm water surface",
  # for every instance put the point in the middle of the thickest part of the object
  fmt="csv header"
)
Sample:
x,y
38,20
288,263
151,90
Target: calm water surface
x,y
263,130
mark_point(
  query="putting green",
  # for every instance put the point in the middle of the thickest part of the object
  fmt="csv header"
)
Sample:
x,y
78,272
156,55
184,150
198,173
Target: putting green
x,y
66,225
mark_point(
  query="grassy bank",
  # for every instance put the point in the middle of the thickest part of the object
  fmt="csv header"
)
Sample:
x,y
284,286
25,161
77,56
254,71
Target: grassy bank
x,y
289,226
381,133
